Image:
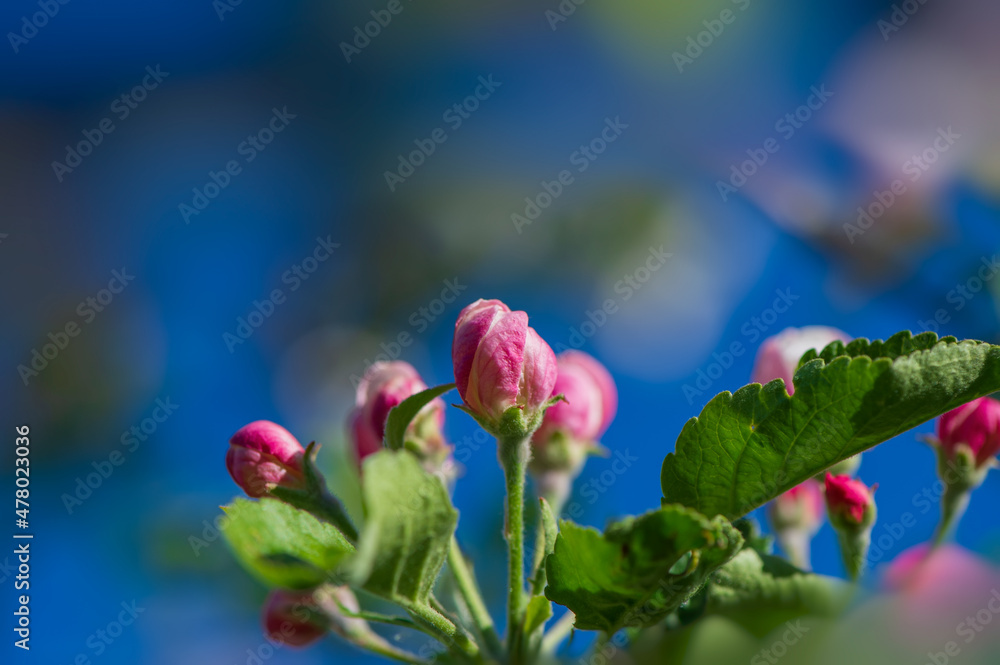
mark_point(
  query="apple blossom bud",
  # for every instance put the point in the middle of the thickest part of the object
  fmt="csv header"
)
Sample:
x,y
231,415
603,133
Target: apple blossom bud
x,y
849,500
799,508
851,507
384,386
264,455
571,427
500,362
293,618
339,603
976,425
778,357
933,587
590,400
796,516
968,439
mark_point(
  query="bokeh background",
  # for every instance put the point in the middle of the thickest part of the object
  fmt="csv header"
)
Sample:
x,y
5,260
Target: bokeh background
x,y
226,66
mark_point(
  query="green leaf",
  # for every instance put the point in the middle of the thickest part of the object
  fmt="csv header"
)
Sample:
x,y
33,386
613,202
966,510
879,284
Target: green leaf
x,y
538,612
640,570
752,445
403,413
408,528
281,545
762,592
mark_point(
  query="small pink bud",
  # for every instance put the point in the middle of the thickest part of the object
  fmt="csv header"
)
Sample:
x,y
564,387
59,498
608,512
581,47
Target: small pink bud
x,y
590,400
293,618
976,424
848,499
386,385
263,455
500,362
799,508
779,355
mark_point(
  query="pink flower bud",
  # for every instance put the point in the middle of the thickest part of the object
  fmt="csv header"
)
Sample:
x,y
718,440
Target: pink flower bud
x,y
500,362
779,356
293,618
848,499
386,385
976,424
263,455
799,508
591,400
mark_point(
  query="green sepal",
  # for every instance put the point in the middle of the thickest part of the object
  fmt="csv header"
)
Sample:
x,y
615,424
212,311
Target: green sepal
x,y
315,497
539,611
550,530
401,415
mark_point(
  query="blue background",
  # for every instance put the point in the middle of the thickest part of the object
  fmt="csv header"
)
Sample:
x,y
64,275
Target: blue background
x,y
323,176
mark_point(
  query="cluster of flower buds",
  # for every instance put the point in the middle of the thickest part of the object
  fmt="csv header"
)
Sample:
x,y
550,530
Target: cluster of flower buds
x,y
797,515
571,427
386,385
968,440
505,374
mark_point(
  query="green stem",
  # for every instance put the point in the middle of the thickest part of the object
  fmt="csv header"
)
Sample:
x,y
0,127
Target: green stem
x,y
393,653
954,501
469,590
795,543
375,617
514,454
443,628
854,550
353,626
